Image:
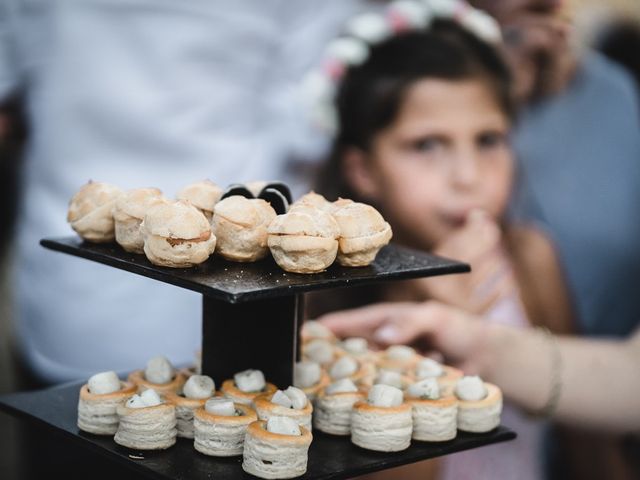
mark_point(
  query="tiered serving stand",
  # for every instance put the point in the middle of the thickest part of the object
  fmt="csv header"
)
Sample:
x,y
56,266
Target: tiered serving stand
x,y
251,317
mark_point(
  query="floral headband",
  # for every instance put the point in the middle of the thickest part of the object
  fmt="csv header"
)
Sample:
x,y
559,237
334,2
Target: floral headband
x,y
368,29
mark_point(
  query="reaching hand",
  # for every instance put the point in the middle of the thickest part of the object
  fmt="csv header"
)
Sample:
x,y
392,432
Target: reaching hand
x,y
427,326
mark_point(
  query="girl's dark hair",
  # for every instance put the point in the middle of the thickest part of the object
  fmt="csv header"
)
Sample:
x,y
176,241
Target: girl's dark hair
x,y
371,94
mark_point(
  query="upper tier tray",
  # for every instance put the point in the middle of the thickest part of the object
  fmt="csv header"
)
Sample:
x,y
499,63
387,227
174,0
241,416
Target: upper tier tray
x,y
241,282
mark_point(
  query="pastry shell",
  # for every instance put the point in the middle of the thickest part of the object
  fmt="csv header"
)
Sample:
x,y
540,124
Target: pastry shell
x,y
265,410
232,392
148,428
270,455
384,429
185,408
479,416
175,385
90,211
333,412
434,420
220,435
97,414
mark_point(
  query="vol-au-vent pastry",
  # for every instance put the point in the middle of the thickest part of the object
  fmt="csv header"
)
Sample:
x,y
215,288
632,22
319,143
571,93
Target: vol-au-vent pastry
x,y
202,195
309,377
90,211
314,330
320,351
128,213
195,392
247,385
177,235
277,448
304,240
292,403
434,411
98,401
400,358
147,422
240,225
333,407
363,232
220,427
479,405
391,378
382,423
159,375
446,375
347,367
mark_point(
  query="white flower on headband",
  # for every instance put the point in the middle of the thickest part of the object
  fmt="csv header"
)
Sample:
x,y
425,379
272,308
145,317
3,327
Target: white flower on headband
x,y
370,27
483,25
348,50
409,15
447,8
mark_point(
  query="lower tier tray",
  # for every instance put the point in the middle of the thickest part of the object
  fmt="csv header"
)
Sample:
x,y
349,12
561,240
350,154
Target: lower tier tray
x,y
329,457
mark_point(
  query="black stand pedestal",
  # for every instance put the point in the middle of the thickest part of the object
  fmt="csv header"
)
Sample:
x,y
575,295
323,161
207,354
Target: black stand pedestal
x,y
260,334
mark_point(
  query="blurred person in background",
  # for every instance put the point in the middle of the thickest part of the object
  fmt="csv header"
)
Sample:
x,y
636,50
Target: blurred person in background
x,y
578,145
137,94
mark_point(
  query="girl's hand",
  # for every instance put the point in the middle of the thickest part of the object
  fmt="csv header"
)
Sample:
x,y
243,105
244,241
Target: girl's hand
x,y
459,336
479,243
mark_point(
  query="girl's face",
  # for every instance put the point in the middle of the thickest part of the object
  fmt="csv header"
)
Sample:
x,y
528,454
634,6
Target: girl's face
x,y
446,154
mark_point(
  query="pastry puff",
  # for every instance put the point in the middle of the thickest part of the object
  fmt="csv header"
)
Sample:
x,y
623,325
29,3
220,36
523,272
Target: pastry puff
x,y
314,330
312,391
363,232
97,413
232,392
304,240
137,378
434,420
177,235
202,195
265,409
240,225
129,211
185,410
384,429
148,428
220,435
479,416
272,455
90,211
333,411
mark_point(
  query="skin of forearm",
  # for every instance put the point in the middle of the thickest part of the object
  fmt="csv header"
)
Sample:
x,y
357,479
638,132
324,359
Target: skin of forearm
x,y
600,379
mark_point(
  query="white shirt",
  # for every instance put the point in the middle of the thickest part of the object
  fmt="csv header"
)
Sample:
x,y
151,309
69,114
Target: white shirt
x,y
143,93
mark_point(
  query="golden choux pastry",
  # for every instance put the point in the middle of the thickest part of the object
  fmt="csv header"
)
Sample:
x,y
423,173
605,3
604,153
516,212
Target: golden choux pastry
x,y
240,225
304,240
363,232
128,213
202,195
90,211
177,235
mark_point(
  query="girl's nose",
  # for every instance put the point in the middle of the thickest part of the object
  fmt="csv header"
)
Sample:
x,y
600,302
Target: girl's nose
x,y
464,169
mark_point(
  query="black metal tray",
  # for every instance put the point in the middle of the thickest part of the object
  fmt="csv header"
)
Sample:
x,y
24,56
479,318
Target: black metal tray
x,y
329,457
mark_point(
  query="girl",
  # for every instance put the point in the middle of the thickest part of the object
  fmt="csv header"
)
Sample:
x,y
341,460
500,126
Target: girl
x,y
424,136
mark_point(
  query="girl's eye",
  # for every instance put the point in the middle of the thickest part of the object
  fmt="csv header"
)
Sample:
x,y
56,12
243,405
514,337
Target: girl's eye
x,y
427,144
488,140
